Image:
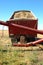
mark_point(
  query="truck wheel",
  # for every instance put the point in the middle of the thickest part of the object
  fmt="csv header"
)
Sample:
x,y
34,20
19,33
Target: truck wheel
x,y
30,39
13,40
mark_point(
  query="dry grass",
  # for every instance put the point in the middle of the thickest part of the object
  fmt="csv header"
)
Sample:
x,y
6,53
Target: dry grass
x,y
40,36
10,55
4,33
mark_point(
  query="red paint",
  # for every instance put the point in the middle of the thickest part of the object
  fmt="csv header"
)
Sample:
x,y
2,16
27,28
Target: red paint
x,y
26,23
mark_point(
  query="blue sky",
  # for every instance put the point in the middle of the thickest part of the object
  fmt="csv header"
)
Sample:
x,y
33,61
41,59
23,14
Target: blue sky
x,y
7,7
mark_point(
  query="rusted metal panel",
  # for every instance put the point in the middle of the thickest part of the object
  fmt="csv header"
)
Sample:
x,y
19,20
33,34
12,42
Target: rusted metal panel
x,y
26,23
19,29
